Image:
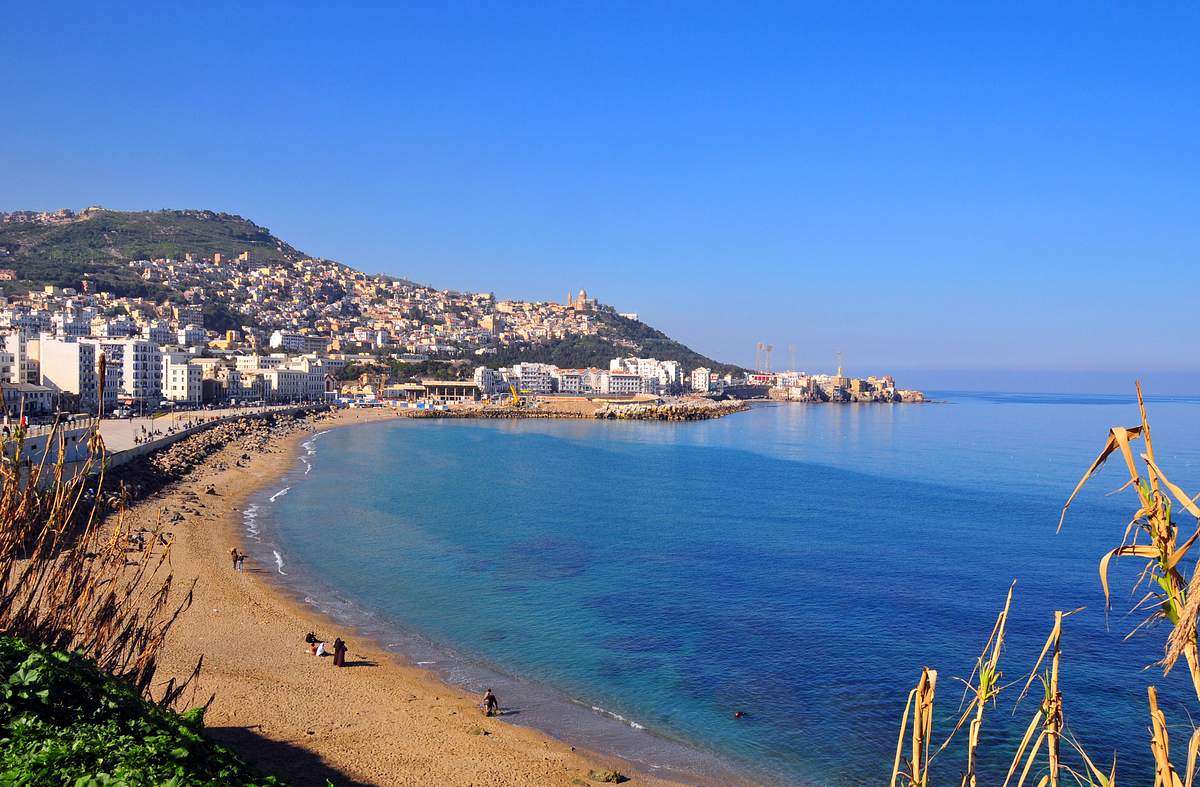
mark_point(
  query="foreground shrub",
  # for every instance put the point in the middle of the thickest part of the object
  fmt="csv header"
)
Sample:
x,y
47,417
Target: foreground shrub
x,y
63,721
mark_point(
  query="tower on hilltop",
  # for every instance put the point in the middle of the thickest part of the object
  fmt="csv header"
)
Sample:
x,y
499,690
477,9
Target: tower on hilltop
x,y
581,301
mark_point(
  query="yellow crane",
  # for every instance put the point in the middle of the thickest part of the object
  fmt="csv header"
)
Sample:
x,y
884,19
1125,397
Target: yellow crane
x,y
518,398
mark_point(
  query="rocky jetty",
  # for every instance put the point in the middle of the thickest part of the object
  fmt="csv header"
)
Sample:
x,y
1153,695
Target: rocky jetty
x,y
688,410
678,410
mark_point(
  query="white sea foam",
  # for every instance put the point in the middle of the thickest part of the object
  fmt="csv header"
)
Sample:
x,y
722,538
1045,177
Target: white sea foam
x,y
278,562
280,493
250,520
617,716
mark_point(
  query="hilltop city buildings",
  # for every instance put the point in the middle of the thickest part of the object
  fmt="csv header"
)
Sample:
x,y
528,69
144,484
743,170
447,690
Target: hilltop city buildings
x,y
246,330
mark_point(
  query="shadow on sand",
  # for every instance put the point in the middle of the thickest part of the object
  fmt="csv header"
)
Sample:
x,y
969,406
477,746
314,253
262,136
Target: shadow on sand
x,y
289,762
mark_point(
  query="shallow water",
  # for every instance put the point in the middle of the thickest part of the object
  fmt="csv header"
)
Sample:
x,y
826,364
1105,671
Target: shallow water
x,y
628,586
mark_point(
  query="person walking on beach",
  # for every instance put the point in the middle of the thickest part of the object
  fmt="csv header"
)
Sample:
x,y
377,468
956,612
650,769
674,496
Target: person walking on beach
x,y
241,560
491,705
339,653
233,554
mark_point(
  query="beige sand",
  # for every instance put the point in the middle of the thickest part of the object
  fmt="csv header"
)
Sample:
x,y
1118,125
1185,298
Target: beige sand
x,y
297,716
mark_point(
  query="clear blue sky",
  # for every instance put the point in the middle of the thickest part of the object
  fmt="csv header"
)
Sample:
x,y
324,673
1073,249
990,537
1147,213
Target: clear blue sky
x,y
923,186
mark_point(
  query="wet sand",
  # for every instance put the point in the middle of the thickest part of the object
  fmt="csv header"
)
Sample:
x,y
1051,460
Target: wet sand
x,y
294,715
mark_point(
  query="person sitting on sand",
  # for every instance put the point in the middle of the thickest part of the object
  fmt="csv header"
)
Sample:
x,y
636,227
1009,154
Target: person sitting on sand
x,y
491,705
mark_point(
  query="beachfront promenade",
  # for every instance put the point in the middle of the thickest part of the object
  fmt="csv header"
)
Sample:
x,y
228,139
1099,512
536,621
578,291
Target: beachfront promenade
x,y
120,434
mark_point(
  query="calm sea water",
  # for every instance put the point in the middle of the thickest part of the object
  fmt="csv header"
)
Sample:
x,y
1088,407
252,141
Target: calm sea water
x,y
629,586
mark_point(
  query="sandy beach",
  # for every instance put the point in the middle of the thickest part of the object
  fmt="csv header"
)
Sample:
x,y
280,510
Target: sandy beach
x,y
377,721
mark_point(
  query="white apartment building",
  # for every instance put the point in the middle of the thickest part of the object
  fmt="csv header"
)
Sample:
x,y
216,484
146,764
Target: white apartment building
x,y
299,343
181,379
25,360
133,366
620,383
191,336
158,333
116,328
581,382
568,381
488,381
249,363
657,376
532,377
701,379
68,326
70,366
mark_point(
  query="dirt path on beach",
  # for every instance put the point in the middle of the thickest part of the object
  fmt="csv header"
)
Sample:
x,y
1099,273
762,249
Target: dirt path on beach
x,y
296,716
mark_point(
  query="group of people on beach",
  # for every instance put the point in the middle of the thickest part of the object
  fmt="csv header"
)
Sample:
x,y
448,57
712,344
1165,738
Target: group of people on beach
x,y
238,558
316,647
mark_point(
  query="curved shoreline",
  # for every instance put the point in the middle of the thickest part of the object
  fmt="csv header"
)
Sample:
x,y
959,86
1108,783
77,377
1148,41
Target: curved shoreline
x,y
298,717
543,707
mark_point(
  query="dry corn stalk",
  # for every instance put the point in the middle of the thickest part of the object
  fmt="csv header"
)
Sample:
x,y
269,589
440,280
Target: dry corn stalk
x,y
920,703
1049,714
1175,596
985,689
1165,774
70,580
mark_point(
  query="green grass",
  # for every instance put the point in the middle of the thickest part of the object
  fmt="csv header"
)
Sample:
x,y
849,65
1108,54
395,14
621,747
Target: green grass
x,y
63,722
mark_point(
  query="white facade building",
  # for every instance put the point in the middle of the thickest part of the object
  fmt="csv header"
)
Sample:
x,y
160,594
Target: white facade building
x,y
134,368
657,376
181,379
488,380
159,334
532,377
70,366
191,336
299,343
620,383
701,379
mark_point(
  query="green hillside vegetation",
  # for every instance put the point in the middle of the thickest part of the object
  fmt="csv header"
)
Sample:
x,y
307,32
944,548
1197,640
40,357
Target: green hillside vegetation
x,y
623,337
63,721
101,243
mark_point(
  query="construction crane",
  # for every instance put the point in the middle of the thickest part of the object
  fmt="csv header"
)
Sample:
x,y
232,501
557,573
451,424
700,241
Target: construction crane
x,y
515,401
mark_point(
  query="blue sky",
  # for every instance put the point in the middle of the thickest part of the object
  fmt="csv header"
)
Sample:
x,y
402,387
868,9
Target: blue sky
x,y
925,187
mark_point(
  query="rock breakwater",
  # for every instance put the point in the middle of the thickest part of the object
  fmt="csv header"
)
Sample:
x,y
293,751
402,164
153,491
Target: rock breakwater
x,y
690,410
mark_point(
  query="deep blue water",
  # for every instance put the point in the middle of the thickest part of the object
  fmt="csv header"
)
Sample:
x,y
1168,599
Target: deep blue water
x,y
798,562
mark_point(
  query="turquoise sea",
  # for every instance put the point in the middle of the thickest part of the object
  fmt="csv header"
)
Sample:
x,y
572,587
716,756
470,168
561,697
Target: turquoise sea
x,y
629,586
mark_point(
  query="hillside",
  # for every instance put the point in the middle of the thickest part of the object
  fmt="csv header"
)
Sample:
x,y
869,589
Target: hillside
x,y
100,243
583,351
63,248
